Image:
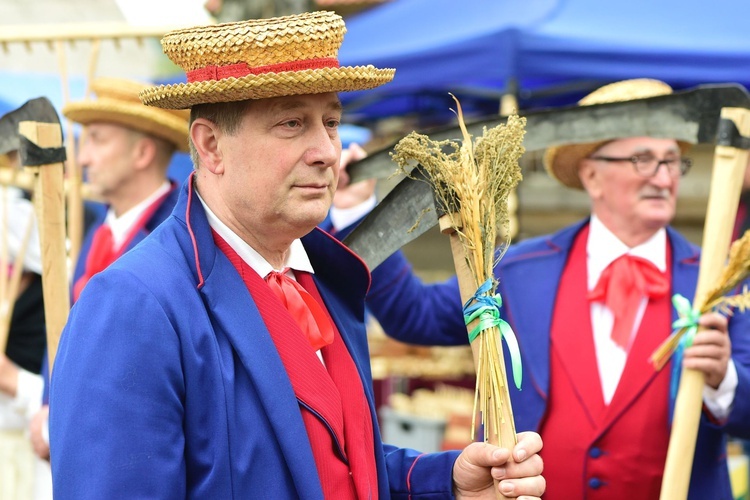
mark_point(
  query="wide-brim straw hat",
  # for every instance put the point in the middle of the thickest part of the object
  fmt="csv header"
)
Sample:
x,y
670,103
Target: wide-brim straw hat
x,y
117,102
562,162
261,58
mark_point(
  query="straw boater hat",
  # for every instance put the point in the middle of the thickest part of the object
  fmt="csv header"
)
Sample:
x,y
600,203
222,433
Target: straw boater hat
x,y
117,102
562,162
260,58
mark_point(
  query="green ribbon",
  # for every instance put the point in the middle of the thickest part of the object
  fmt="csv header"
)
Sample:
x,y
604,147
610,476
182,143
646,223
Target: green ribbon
x,y
685,326
486,308
687,321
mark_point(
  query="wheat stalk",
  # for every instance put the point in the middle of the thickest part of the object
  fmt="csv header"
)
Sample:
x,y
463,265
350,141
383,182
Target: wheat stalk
x,y
472,182
718,299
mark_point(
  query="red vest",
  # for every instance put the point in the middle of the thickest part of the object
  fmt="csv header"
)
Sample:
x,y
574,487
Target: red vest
x,y
591,450
331,397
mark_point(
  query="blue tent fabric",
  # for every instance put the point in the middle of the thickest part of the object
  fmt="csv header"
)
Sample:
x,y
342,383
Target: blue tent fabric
x,y
442,42
483,48
683,42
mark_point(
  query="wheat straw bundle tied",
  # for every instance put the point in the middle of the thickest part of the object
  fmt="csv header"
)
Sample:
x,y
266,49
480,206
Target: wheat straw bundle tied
x,y
720,298
472,184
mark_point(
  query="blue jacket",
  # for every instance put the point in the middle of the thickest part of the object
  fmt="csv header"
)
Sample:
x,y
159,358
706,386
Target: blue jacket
x,y
529,276
161,213
167,383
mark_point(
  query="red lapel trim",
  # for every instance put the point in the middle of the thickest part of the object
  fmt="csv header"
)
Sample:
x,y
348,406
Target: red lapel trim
x,y
311,383
360,446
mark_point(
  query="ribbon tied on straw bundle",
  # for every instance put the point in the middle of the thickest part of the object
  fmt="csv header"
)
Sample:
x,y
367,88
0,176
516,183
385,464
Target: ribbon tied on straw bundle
x,y
687,321
472,183
684,329
721,298
486,308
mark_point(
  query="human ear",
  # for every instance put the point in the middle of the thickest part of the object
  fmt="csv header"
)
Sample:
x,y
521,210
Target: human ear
x,y
145,152
589,177
205,136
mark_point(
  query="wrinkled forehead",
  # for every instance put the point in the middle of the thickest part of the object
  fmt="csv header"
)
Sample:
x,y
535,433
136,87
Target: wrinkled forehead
x,y
639,145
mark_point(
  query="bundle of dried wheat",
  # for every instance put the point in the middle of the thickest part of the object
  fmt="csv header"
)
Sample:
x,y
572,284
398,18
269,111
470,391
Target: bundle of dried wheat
x,y
735,272
472,184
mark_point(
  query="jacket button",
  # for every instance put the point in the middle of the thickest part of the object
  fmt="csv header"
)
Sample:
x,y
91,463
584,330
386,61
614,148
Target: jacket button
x,y
595,452
595,483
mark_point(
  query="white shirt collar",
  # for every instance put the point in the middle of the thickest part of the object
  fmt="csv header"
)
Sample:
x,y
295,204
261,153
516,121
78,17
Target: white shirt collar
x,y
296,258
120,226
603,247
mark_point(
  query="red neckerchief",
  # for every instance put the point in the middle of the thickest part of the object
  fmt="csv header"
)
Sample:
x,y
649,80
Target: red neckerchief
x,y
102,251
332,400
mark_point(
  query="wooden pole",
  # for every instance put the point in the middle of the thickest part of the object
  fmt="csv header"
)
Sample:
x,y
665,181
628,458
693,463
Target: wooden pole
x,y
50,211
726,183
27,180
73,195
505,435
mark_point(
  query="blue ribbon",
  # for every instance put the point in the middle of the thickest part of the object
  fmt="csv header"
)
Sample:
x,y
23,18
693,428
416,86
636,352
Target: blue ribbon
x,y
686,326
487,309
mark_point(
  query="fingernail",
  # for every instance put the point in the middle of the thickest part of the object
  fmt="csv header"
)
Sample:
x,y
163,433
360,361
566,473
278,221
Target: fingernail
x,y
521,455
507,487
500,472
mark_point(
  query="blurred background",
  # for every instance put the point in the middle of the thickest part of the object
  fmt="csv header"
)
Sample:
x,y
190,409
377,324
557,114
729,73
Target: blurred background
x,y
496,56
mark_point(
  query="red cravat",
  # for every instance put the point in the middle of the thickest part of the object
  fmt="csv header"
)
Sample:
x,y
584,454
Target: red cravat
x,y
621,287
311,318
101,254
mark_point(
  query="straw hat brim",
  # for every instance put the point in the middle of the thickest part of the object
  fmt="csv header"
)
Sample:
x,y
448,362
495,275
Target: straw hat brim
x,y
563,162
310,81
132,115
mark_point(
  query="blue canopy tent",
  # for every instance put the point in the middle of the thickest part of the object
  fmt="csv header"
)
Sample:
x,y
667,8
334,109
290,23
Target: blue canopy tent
x,y
547,52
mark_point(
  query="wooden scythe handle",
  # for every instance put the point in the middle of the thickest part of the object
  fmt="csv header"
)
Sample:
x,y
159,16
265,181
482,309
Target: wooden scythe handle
x,y
726,183
26,180
50,211
468,286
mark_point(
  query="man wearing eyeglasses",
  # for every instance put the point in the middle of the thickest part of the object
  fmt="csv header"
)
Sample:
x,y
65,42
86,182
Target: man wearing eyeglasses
x,y
589,304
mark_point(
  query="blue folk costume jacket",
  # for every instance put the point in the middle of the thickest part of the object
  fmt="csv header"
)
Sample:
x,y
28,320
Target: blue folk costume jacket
x,y
160,214
167,383
529,276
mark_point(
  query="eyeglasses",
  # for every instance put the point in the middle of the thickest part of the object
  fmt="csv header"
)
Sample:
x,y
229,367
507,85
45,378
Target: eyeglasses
x,y
648,165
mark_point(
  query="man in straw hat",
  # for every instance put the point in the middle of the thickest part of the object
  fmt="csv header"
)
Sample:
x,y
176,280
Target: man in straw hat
x,y
226,355
126,150
602,408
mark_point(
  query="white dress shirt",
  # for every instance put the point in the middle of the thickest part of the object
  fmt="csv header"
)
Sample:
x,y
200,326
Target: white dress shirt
x,y
16,412
121,226
296,259
345,217
602,248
